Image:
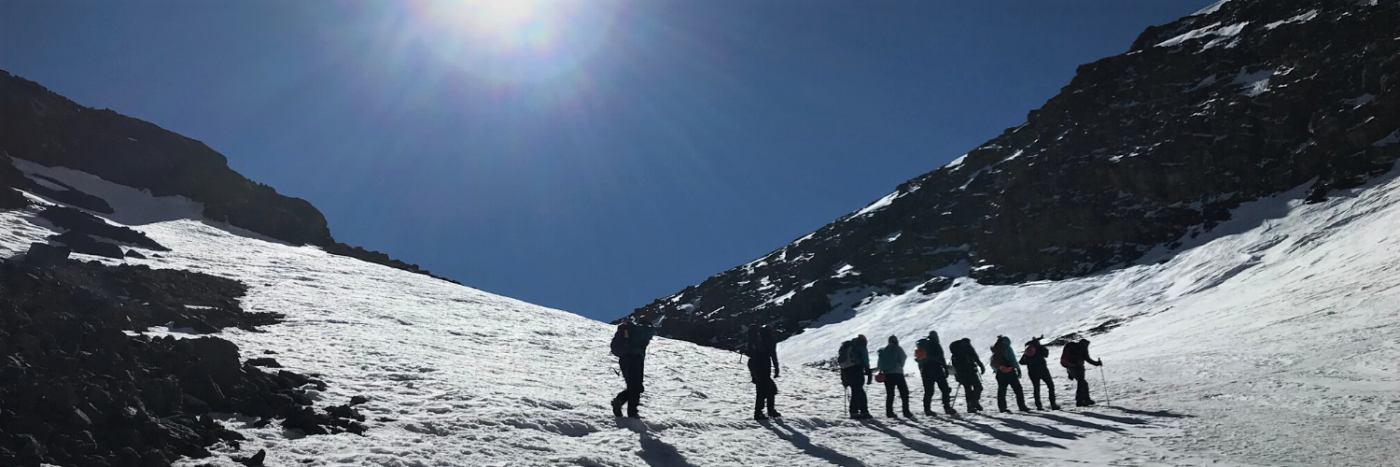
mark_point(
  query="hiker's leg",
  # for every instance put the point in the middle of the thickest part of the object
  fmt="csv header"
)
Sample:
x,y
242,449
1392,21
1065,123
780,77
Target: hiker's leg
x,y
946,391
927,379
1035,390
889,395
904,393
1001,392
1020,395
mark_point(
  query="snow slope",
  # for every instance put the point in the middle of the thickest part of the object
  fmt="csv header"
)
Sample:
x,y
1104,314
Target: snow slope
x,y
1277,332
457,376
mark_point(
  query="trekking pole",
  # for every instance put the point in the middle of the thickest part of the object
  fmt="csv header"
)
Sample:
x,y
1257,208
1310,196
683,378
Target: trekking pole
x,y
1104,380
845,397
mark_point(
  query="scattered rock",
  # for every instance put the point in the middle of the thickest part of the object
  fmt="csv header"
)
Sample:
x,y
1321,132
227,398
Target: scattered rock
x,y
84,244
75,388
43,253
135,254
255,460
77,221
266,362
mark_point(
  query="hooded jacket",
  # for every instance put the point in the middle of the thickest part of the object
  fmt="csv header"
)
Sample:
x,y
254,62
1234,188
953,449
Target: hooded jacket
x,y
892,358
933,354
1004,357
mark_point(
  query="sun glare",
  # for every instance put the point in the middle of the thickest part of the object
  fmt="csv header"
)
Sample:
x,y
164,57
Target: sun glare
x,y
514,40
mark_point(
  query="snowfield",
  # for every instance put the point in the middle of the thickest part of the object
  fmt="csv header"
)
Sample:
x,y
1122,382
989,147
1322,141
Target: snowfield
x,y
1271,341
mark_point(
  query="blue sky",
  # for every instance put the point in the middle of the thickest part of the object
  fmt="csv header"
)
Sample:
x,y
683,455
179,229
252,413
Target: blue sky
x,y
589,156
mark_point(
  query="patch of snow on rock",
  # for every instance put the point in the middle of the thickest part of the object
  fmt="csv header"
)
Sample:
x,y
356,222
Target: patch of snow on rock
x,y
1303,18
1255,83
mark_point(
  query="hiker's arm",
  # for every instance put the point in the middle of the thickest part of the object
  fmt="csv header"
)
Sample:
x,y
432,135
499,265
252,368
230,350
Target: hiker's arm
x,y
775,363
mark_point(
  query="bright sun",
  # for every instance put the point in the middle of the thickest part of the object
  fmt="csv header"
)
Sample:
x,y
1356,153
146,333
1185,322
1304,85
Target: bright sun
x,y
510,24
514,41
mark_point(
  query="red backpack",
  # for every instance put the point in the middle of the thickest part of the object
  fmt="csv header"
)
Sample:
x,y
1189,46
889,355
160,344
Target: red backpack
x,y
1067,357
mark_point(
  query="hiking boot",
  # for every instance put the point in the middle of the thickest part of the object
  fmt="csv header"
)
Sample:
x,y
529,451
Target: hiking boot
x,y
948,409
1024,409
774,414
759,415
617,408
890,414
1004,411
1054,407
928,413
862,416
633,414
908,414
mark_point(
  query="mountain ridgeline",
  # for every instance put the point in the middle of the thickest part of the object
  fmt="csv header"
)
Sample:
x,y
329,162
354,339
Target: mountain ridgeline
x,y
41,126
1140,152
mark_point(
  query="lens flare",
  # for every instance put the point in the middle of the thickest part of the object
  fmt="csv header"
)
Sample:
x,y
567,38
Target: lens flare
x,y
514,41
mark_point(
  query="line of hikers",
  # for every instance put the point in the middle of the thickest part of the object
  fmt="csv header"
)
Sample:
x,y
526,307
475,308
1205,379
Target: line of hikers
x,y
964,365
632,337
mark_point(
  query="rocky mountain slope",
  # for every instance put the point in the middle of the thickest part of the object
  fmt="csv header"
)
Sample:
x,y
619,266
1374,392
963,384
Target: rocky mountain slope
x,y
42,127
1138,154
1283,328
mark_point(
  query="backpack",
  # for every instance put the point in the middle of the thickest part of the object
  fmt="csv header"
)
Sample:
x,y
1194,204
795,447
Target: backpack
x,y
844,358
1067,356
919,353
620,344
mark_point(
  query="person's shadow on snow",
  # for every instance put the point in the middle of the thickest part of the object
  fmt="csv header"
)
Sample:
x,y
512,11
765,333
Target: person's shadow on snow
x,y
1042,429
1009,437
655,452
914,444
1150,413
1111,418
964,443
804,444
1077,422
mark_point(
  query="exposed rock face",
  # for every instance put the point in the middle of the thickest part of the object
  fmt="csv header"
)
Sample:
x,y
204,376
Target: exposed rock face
x,y
1139,151
39,125
76,390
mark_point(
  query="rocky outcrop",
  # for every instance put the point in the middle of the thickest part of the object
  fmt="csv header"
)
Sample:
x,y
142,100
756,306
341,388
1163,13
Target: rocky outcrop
x,y
371,256
1138,153
76,389
41,126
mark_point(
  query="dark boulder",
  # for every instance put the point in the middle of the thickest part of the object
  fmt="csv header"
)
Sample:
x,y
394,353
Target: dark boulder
x,y
84,244
43,253
266,362
74,220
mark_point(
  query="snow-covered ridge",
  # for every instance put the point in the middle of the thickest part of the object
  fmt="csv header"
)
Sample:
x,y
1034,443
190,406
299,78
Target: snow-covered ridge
x,y
457,376
1257,324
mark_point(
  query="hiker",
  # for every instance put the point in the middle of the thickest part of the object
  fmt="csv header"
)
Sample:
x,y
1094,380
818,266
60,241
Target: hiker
x,y
1034,360
1073,358
630,346
933,369
1008,374
967,370
763,357
891,364
854,360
